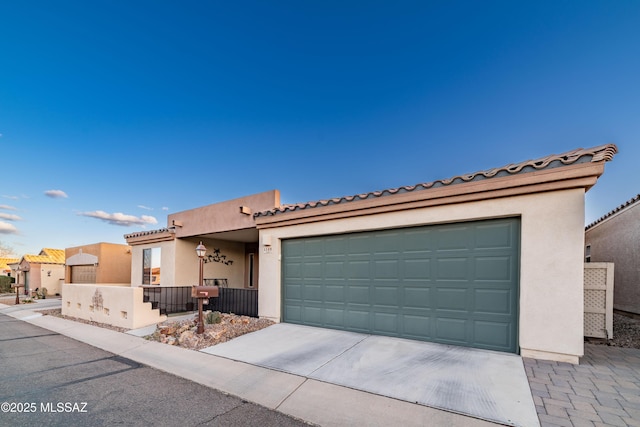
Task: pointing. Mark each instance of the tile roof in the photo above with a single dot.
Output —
(620, 208)
(5, 261)
(148, 233)
(602, 153)
(47, 256)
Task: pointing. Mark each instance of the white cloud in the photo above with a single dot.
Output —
(8, 208)
(164, 208)
(10, 197)
(56, 194)
(10, 217)
(145, 207)
(6, 228)
(119, 218)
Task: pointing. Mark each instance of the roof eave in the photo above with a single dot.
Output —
(581, 175)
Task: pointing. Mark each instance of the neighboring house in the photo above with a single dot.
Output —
(491, 260)
(100, 263)
(5, 269)
(45, 270)
(615, 237)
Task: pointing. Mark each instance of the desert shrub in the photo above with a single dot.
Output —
(213, 317)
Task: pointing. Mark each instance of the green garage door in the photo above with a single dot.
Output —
(452, 284)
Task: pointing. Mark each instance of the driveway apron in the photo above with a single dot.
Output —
(484, 384)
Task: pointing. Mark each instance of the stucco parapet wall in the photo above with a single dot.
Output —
(536, 172)
(152, 236)
(230, 215)
(114, 304)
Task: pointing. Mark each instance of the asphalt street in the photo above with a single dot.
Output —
(50, 379)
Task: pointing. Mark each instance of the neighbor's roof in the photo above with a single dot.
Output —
(47, 256)
(5, 261)
(602, 153)
(619, 209)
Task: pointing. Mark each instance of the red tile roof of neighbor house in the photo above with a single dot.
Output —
(620, 208)
(602, 153)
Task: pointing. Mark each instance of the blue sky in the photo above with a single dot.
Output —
(129, 111)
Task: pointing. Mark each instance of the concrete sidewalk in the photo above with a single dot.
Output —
(308, 399)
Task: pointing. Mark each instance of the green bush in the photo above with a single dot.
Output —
(5, 284)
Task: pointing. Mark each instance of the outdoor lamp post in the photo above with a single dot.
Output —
(200, 251)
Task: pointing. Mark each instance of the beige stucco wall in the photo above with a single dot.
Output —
(179, 262)
(167, 263)
(551, 270)
(121, 305)
(187, 262)
(617, 240)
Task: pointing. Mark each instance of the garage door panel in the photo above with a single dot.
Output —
(452, 268)
(452, 330)
(417, 296)
(358, 269)
(416, 268)
(313, 293)
(453, 238)
(358, 294)
(492, 334)
(493, 268)
(335, 294)
(452, 299)
(453, 284)
(385, 323)
(416, 326)
(494, 236)
(386, 295)
(358, 320)
(495, 301)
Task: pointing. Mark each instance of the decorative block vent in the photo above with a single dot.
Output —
(598, 300)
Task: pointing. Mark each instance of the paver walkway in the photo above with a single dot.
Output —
(604, 390)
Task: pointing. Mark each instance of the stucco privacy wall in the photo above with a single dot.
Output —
(551, 270)
(114, 304)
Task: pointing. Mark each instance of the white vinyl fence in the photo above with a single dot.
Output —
(598, 300)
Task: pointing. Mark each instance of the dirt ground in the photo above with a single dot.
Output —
(626, 333)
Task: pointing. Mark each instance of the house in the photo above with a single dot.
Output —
(490, 260)
(101, 263)
(615, 237)
(42, 271)
(5, 269)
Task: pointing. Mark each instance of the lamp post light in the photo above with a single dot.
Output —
(200, 251)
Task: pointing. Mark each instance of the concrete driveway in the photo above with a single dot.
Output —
(489, 385)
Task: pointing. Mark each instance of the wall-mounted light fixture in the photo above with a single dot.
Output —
(245, 210)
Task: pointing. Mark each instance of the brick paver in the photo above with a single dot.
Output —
(603, 390)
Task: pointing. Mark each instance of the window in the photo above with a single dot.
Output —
(151, 266)
(587, 253)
